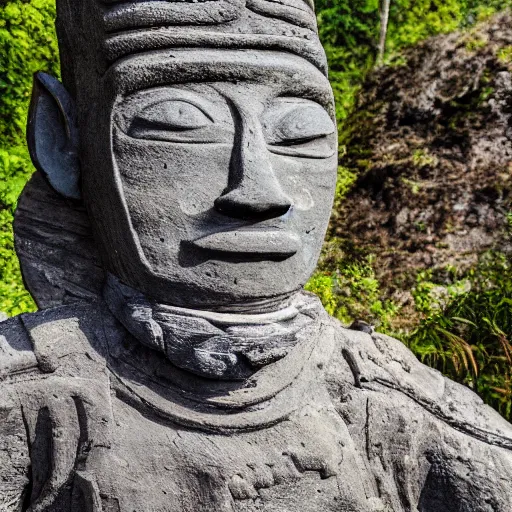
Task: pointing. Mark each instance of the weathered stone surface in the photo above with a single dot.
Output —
(346, 421)
(202, 377)
(55, 246)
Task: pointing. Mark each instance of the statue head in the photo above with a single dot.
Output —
(201, 137)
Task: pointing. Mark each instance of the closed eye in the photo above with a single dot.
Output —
(302, 124)
(298, 141)
(299, 128)
(169, 115)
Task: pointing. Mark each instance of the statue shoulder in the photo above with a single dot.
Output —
(48, 340)
(16, 350)
(52, 374)
(16, 358)
(378, 361)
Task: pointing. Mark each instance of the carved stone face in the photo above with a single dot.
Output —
(220, 169)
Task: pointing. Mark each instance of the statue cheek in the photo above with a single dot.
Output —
(309, 182)
(185, 178)
(203, 179)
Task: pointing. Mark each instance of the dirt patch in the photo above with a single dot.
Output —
(431, 143)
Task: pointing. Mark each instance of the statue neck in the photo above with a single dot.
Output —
(213, 344)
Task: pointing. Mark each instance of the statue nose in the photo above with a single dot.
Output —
(253, 190)
(250, 202)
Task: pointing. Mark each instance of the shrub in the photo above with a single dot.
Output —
(351, 291)
(467, 330)
(28, 43)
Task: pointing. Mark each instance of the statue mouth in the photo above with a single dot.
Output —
(269, 243)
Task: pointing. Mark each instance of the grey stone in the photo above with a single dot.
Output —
(176, 364)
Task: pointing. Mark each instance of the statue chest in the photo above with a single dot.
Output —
(304, 463)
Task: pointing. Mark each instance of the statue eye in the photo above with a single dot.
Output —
(170, 115)
(299, 128)
(300, 125)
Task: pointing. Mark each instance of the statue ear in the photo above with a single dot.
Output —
(52, 135)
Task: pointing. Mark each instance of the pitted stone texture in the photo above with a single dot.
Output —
(336, 444)
(195, 145)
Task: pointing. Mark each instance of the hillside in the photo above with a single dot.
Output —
(432, 148)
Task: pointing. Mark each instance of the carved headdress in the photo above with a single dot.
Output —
(109, 30)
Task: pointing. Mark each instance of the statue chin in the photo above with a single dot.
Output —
(220, 285)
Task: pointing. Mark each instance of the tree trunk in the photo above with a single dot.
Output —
(384, 20)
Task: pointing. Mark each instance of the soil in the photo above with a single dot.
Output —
(431, 143)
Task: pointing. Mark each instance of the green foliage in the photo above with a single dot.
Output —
(348, 29)
(412, 21)
(352, 292)
(15, 169)
(27, 39)
(346, 178)
(467, 330)
(505, 55)
(14, 299)
(28, 42)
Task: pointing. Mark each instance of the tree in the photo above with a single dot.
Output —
(384, 21)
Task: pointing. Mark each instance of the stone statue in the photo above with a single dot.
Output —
(176, 364)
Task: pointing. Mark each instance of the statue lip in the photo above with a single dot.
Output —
(273, 242)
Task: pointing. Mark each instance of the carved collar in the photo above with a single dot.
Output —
(283, 375)
(214, 345)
